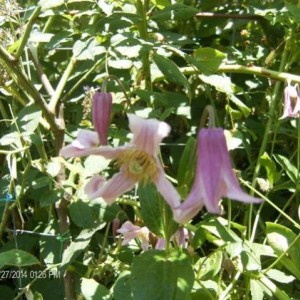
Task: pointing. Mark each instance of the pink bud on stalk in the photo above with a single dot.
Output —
(102, 103)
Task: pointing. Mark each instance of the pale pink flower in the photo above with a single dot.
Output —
(130, 232)
(138, 161)
(291, 102)
(214, 178)
(87, 141)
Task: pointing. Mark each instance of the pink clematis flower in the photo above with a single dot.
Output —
(138, 161)
(130, 232)
(87, 141)
(214, 178)
(291, 102)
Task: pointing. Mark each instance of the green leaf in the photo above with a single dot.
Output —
(122, 287)
(50, 197)
(279, 276)
(207, 60)
(257, 290)
(176, 12)
(29, 118)
(210, 266)
(153, 207)
(294, 10)
(270, 167)
(170, 70)
(287, 166)
(250, 261)
(223, 84)
(81, 214)
(79, 244)
(280, 237)
(161, 3)
(186, 170)
(87, 50)
(17, 258)
(92, 290)
(234, 139)
(47, 4)
(168, 276)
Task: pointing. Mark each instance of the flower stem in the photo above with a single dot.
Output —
(142, 7)
(209, 114)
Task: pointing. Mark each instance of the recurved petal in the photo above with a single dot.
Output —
(147, 133)
(230, 187)
(113, 188)
(94, 186)
(189, 208)
(82, 145)
(166, 189)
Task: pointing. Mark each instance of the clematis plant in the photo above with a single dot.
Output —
(214, 177)
(137, 162)
(291, 102)
(88, 141)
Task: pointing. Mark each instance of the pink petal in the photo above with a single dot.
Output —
(161, 244)
(94, 185)
(147, 133)
(127, 227)
(189, 208)
(166, 189)
(113, 188)
(86, 140)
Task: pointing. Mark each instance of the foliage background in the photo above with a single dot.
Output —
(172, 59)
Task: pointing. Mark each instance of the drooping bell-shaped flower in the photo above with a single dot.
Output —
(102, 103)
(87, 141)
(291, 102)
(214, 178)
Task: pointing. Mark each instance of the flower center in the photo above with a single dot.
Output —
(137, 164)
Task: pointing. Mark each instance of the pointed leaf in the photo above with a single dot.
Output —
(170, 70)
(17, 258)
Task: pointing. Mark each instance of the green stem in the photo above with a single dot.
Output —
(253, 70)
(104, 84)
(104, 243)
(142, 8)
(61, 85)
(26, 34)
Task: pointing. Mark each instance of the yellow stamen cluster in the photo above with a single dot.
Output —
(137, 164)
